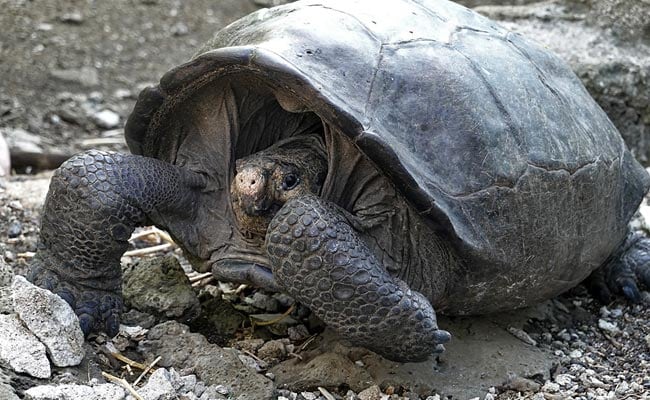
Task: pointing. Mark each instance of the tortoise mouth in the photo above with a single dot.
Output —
(246, 271)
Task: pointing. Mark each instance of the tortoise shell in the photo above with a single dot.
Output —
(491, 138)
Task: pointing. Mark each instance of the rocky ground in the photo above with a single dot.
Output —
(71, 73)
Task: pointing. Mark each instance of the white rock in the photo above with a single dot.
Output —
(6, 277)
(159, 386)
(617, 313)
(21, 350)
(51, 319)
(309, 395)
(107, 391)
(575, 354)
(7, 392)
(372, 393)
(106, 119)
(522, 335)
(564, 379)
(622, 388)
(550, 387)
(608, 326)
(19, 140)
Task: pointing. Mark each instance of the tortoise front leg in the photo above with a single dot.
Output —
(321, 261)
(95, 201)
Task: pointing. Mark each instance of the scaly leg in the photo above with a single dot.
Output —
(95, 201)
(322, 262)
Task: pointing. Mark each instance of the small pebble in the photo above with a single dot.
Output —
(522, 335)
(551, 387)
(74, 17)
(616, 313)
(15, 229)
(564, 379)
(106, 119)
(608, 326)
(575, 354)
(179, 29)
(623, 388)
(372, 393)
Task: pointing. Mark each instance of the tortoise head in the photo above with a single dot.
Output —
(266, 180)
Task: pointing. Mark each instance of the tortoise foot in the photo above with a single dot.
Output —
(628, 269)
(320, 260)
(95, 201)
(98, 309)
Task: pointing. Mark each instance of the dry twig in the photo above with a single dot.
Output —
(124, 383)
(198, 277)
(148, 250)
(27, 254)
(152, 230)
(326, 394)
(154, 362)
(275, 320)
(128, 361)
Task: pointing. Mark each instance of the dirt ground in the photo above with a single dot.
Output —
(62, 55)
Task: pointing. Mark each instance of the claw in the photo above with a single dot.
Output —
(439, 349)
(86, 322)
(631, 291)
(112, 325)
(441, 336)
(67, 296)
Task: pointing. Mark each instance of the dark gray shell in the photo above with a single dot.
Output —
(490, 137)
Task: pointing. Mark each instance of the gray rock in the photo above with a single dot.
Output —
(5, 161)
(6, 391)
(181, 349)
(21, 350)
(84, 76)
(160, 287)
(328, 370)
(372, 393)
(160, 386)
(520, 384)
(272, 351)
(137, 318)
(74, 17)
(214, 392)
(263, 301)
(222, 318)
(107, 391)
(106, 119)
(179, 29)
(609, 49)
(608, 326)
(51, 319)
(19, 140)
(6, 277)
(15, 229)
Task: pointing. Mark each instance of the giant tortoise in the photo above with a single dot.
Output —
(376, 160)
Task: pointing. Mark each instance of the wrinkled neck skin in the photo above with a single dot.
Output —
(266, 180)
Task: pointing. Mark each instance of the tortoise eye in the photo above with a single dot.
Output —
(290, 181)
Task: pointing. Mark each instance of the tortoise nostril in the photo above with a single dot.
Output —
(253, 182)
